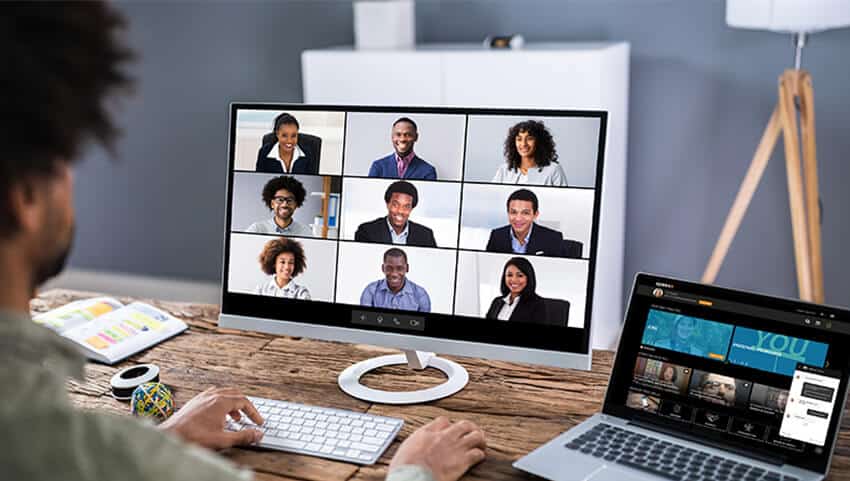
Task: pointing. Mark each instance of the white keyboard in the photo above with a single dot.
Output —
(324, 432)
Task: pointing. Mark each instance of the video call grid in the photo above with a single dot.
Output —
(462, 181)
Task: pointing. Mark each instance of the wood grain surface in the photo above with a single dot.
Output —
(519, 406)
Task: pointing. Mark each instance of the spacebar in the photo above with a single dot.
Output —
(282, 443)
(647, 469)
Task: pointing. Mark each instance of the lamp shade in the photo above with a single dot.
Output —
(788, 16)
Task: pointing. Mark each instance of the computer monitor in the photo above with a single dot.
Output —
(459, 231)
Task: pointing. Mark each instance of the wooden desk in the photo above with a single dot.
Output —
(519, 406)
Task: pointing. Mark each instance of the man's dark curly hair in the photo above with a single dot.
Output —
(284, 182)
(276, 247)
(544, 149)
(401, 187)
(62, 62)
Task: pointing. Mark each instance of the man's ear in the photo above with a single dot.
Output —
(25, 204)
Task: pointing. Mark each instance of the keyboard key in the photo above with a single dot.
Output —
(365, 447)
(284, 443)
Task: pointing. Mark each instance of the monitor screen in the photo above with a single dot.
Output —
(757, 373)
(472, 225)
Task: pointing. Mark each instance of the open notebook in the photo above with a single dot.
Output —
(107, 330)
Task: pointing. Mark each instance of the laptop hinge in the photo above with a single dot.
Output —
(774, 460)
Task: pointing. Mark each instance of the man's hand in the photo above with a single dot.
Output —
(201, 420)
(446, 449)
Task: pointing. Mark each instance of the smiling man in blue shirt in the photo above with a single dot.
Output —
(396, 291)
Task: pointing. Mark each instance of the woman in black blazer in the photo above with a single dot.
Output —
(519, 302)
(285, 154)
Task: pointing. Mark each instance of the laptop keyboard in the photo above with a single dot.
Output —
(665, 459)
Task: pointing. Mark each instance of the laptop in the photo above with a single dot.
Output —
(712, 384)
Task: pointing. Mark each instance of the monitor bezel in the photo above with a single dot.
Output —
(507, 341)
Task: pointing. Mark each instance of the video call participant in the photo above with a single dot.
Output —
(282, 260)
(523, 235)
(403, 163)
(396, 228)
(283, 196)
(530, 157)
(396, 291)
(519, 301)
(44, 437)
(285, 154)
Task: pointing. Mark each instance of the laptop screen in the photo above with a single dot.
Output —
(755, 373)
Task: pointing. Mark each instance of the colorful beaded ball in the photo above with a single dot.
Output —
(152, 400)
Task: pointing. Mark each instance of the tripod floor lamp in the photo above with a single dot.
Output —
(795, 96)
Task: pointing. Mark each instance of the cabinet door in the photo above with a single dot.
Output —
(553, 80)
(371, 78)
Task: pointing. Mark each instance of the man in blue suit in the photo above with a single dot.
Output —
(523, 235)
(403, 162)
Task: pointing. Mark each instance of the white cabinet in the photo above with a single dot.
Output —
(552, 76)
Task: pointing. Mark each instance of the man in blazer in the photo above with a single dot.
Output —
(523, 235)
(396, 228)
(403, 163)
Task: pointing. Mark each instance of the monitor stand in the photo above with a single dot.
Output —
(349, 379)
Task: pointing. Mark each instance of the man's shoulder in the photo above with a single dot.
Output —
(372, 287)
(78, 443)
(261, 227)
(381, 161)
(419, 227)
(423, 161)
(372, 224)
(546, 232)
(424, 166)
(301, 229)
(498, 231)
(417, 288)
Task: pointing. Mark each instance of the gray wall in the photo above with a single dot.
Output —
(700, 95)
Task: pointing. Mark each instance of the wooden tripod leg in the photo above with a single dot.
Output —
(787, 115)
(810, 169)
(742, 200)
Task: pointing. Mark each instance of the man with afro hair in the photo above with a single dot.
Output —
(283, 196)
